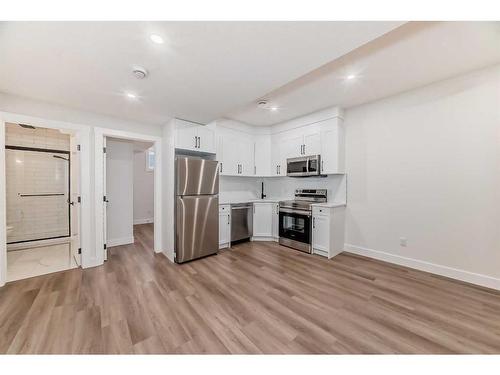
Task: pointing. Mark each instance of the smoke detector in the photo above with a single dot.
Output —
(140, 73)
(264, 104)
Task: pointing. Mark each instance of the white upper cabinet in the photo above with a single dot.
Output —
(206, 139)
(312, 141)
(263, 157)
(235, 153)
(244, 151)
(332, 147)
(194, 137)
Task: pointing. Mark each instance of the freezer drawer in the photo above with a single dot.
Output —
(197, 227)
(241, 221)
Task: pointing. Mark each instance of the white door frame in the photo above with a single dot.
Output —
(88, 251)
(99, 134)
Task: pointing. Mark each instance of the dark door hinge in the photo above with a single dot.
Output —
(104, 198)
(80, 250)
(105, 247)
(104, 149)
(79, 199)
(77, 147)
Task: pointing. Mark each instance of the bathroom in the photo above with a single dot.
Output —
(42, 194)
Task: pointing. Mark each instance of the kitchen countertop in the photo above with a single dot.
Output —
(329, 204)
(274, 200)
(256, 200)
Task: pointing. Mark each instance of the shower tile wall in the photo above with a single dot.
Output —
(16, 135)
(31, 172)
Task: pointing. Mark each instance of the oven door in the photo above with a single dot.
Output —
(295, 229)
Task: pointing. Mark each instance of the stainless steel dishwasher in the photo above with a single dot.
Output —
(241, 221)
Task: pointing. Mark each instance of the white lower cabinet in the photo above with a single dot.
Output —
(328, 230)
(276, 220)
(263, 220)
(224, 226)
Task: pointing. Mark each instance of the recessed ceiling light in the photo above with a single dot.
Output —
(351, 76)
(131, 95)
(155, 38)
(273, 108)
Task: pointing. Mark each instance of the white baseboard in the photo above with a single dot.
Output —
(119, 241)
(453, 273)
(143, 221)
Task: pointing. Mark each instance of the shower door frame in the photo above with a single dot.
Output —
(49, 151)
(89, 256)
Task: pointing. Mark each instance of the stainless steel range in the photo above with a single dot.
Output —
(295, 226)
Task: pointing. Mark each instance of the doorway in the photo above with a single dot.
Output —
(129, 192)
(129, 162)
(42, 190)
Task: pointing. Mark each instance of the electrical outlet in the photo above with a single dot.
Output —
(403, 241)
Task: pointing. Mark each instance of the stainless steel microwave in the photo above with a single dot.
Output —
(304, 166)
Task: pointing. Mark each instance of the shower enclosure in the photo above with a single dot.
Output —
(38, 194)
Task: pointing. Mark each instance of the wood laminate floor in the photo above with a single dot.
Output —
(256, 298)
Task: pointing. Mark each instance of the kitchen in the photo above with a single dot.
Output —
(312, 187)
(299, 168)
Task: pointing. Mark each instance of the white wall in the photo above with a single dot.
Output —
(425, 165)
(119, 192)
(168, 198)
(143, 190)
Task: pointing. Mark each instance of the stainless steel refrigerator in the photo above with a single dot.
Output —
(197, 208)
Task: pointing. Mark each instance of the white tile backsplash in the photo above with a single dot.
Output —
(235, 188)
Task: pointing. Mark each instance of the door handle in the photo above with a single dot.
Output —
(221, 167)
(195, 141)
(228, 219)
(304, 149)
(322, 166)
(314, 222)
(199, 142)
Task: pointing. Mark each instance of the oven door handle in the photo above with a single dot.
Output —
(293, 211)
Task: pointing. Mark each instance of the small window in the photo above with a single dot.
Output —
(150, 160)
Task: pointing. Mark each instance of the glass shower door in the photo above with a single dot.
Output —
(37, 187)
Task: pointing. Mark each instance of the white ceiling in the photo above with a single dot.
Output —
(203, 71)
(413, 55)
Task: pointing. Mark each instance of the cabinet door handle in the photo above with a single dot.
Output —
(221, 167)
(304, 149)
(199, 142)
(228, 219)
(314, 222)
(322, 165)
(195, 141)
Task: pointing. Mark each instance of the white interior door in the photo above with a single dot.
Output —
(74, 200)
(104, 200)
